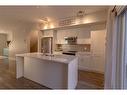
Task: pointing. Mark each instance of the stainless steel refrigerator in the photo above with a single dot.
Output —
(47, 45)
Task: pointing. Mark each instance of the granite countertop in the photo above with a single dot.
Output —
(55, 58)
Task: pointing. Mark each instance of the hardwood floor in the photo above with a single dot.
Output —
(87, 80)
(92, 78)
(8, 78)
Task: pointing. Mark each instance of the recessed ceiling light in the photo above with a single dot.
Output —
(37, 6)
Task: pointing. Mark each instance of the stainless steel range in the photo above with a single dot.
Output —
(70, 52)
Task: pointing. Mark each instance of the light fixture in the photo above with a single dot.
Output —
(80, 14)
(45, 20)
(47, 23)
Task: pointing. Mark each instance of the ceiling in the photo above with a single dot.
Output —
(34, 13)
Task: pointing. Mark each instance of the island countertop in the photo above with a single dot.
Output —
(56, 71)
(56, 57)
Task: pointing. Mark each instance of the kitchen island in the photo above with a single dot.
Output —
(53, 71)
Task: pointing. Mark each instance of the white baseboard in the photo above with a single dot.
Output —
(90, 70)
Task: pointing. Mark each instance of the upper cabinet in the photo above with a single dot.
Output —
(98, 42)
(82, 34)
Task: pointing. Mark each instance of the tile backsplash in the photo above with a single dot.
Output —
(77, 47)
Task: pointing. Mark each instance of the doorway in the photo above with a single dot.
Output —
(3, 46)
(34, 42)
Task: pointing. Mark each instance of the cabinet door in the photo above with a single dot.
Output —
(98, 42)
(84, 62)
(27, 67)
(60, 37)
(80, 58)
(97, 63)
(98, 50)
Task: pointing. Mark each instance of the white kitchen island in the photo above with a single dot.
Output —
(56, 72)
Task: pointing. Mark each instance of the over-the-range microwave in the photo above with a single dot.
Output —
(70, 40)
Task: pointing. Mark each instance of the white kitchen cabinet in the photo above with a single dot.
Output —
(97, 64)
(60, 37)
(84, 41)
(82, 33)
(98, 42)
(96, 60)
(90, 62)
(84, 61)
(98, 50)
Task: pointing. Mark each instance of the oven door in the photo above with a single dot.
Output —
(68, 53)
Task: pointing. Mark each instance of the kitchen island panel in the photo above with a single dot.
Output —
(50, 74)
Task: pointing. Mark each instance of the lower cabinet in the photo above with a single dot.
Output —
(84, 61)
(98, 64)
(90, 62)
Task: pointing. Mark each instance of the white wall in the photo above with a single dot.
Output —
(18, 32)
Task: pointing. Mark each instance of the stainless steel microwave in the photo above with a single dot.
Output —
(70, 40)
